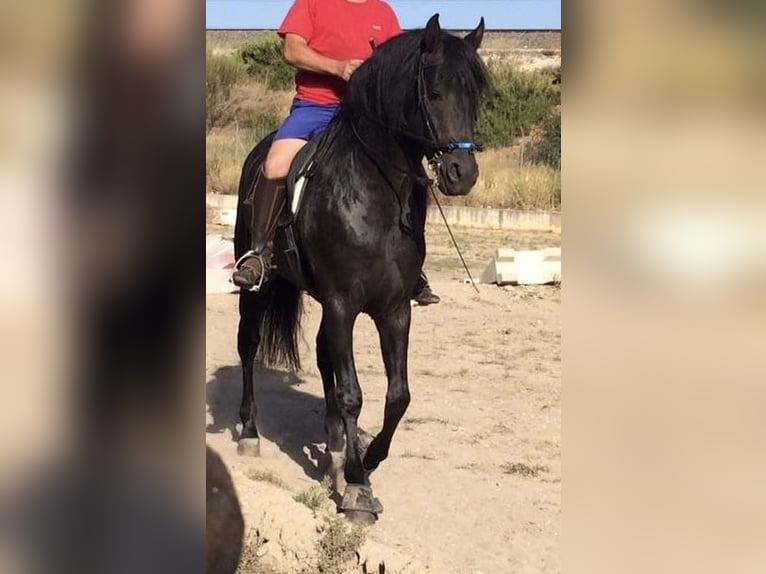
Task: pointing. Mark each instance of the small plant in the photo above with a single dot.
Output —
(411, 454)
(523, 469)
(315, 496)
(265, 475)
(423, 420)
(249, 561)
(338, 546)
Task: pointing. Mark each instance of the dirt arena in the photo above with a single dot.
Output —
(473, 480)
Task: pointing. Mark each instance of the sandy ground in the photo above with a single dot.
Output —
(473, 480)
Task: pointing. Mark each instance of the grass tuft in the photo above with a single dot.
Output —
(523, 469)
(265, 475)
(338, 546)
(315, 496)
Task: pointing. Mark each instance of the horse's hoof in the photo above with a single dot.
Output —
(249, 447)
(358, 501)
(361, 517)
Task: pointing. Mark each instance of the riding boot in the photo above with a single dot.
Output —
(267, 200)
(423, 294)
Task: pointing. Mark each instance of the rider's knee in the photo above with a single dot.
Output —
(276, 166)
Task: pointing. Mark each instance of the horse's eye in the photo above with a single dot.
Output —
(434, 95)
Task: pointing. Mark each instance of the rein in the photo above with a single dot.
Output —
(454, 241)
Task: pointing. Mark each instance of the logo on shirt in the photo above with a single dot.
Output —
(377, 27)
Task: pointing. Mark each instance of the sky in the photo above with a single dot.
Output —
(453, 14)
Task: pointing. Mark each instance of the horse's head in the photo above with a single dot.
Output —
(422, 89)
(451, 80)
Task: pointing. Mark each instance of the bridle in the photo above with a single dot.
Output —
(435, 147)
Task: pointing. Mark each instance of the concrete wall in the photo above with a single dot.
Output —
(224, 209)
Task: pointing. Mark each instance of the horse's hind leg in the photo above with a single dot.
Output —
(394, 331)
(333, 421)
(248, 338)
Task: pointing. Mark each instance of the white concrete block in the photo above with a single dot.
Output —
(525, 267)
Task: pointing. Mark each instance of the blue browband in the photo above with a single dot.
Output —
(469, 146)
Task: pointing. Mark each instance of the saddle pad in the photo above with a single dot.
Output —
(299, 170)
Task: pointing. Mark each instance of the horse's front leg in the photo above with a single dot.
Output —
(338, 325)
(394, 331)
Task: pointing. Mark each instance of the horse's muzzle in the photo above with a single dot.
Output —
(458, 172)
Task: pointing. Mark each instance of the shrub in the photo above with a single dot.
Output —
(338, 546)
(261, 124)
(263, 60)
(222, 72)
(315, 496)
(546, 142)
(518, 101)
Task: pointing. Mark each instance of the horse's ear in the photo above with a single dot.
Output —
(432, 36)
(475, 36)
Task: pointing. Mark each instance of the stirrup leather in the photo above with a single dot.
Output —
(259, 256)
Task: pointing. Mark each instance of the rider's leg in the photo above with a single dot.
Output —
(423, 294)
(280, 156)
(266, 202)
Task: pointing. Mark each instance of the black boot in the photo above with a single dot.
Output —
(267, 201)
(423, 294)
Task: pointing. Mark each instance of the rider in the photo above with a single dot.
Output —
(326, 40)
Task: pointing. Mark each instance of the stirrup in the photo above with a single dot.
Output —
(259, 256)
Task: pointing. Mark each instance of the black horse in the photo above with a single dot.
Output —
(360, 236)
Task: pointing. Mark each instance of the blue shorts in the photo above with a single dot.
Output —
(306, 120)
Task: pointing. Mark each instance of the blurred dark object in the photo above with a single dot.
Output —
(224, 526)
(136, 165)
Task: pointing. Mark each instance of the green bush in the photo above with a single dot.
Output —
(518, 101)
(222, 72)
(546, 147)
(263, 60)
(262, 124)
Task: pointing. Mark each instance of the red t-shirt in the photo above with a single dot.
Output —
(340, 30)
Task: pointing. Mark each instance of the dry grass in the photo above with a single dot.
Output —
(228, 41)
(257, 110)
(265, 475)
(506, 182)
(225, 152)
(521, 40)
(523, 469)
(225, 41)
(338, 547)
(412, 454)
(409, 422)
(249, 561)
(252, 97)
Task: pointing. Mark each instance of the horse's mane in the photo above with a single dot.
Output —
(384, 88)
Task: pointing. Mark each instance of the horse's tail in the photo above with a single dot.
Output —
(282, 306)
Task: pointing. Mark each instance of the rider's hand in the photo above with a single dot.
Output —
(348, 67)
